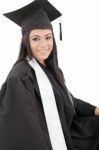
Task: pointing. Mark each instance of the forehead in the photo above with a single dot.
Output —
(40, 32)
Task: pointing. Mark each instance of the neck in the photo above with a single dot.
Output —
(42, 63)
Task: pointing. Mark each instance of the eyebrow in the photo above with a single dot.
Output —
(40, 36)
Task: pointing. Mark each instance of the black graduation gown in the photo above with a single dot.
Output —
(22, 120)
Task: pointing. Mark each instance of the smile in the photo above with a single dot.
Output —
(43, 51)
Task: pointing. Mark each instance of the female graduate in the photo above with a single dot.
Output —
(37, 112)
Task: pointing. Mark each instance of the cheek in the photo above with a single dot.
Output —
(33, 47)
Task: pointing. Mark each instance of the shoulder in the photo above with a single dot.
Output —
(19, 70)
(20, 77)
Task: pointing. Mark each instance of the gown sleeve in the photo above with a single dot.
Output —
(83, 108)
(16, 109)
(8, 94)
(13, 96)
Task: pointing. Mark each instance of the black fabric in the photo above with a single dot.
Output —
(22, 121)
(36, 15)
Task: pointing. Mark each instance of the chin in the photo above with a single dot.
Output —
(45, 57)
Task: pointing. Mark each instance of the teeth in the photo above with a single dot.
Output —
(42, 51)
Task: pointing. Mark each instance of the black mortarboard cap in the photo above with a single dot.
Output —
(36, 15)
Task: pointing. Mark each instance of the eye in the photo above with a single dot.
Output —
(35, 39)
(48, 37)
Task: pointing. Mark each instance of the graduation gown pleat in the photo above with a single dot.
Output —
(22, 121)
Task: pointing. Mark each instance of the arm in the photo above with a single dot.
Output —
(15, 103)
(84, 108)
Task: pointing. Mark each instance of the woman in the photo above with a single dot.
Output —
(35, 82)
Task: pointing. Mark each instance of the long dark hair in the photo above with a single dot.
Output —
(51, 61)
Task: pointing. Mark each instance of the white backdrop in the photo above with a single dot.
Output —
(78, 52)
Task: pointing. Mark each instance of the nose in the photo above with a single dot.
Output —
(43, 43)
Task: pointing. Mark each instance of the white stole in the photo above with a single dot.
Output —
(50, 108)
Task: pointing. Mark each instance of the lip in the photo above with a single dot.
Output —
(43, 51)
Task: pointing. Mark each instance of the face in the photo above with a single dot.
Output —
(41, 44)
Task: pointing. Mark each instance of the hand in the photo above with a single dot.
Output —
(97, 111)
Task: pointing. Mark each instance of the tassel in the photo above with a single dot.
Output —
(60, 30)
